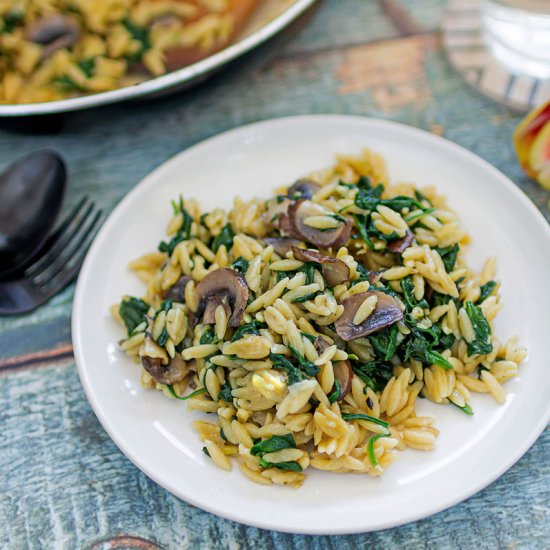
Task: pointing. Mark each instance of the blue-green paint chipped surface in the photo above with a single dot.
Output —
(63, 483)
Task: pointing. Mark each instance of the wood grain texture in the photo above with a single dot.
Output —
(63, 483)
(36, 359)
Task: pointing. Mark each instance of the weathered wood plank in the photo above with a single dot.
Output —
(36, 359)
(19, 341)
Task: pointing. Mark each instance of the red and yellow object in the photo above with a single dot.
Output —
(532, 143)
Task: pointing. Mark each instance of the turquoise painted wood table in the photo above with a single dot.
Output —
(63, 483)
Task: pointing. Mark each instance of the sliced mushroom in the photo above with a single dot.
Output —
(428, 293)
(320, 345)
(177, 291)
(284, 225)
(159, 365)
(276, 212)
(344, 374)
(300, 210)
(374, 276)
(212, 303)
(304, 187)
(399, 246)
(386, 312)
(282, 245)
(335, 271)
(224, 283)
(54, 33)
(175, 371)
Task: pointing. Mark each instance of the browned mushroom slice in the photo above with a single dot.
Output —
(386, 312)
(285, 226)
(374, 276)
(212, 303)
(177, 291)
(175, 371)
(400, 245)
(282, 245)
(322, 238)
(320, 345)
(428, 293)
(335, 271)
(305, 188)
(344, 374)
(224, 283)
(276, 212)
(53, 33)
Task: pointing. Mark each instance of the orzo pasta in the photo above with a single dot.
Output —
(309, 325)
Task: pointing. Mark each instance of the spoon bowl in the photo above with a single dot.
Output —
(31, 194)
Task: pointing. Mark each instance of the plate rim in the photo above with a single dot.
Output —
(149, 180)
(167, 81)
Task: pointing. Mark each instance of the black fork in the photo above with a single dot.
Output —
(58, 264)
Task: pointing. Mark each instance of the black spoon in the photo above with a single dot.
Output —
(31, 193)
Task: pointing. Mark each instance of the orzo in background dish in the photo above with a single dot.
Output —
(54, 49)
(312, 322)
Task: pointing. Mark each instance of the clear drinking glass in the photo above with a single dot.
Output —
(518, 33)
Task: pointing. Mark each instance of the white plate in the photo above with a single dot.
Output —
(155, 432)
(271, 17)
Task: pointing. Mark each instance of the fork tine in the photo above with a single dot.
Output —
(61, 236)
(63, 277)
(71, 250)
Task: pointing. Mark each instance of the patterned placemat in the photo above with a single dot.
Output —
(471, 57)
